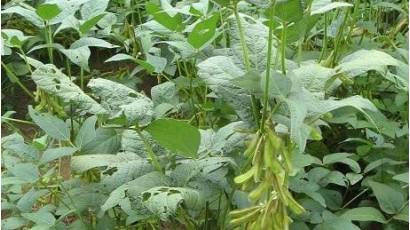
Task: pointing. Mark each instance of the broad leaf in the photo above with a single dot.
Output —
(177, 136)
(364, 214)
(390, 200)
(203, 32)
(53, 154)
(323, 6)
(53, 126)
(47, 11)
(54, 82)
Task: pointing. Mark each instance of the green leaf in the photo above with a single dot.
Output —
(25, 171)
(40, 217)
(13, 223)
(390, 200)
(53, 154)
(173, 23)
(26, 202)
(164, 201)
(121, 57)
(290, 10)
(404, 177)
(53, 126)
(359, 62)
(119, 100)
(29, 15)
(54, 82)
(203, 32)
(323, 6)
(364, 214)
(47, 11)
(78, 56)
(92, 42)
(177, 136)
(90, 23)
(86, 132)
(336, 223)
(342, 158)
(106, 141)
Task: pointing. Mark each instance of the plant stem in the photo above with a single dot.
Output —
(49, 40)
(246, 60)
(151, 155)
(268, 67)
(82, 78)
(283, 47)
(15, 78)
(324, 46)
(338, 38)
(25, 60)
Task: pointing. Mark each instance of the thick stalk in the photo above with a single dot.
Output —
(339, 38)
(14, 77)
(283, 47)
(150, 153)
(246, 60)
(268, 68)
(49, 40)
(324, 46)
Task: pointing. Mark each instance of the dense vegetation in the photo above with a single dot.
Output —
(204, 114)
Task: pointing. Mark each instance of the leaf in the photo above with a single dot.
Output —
(364, 214)
(29, 15)
(342, 158)
(323, 6)
(106, 141)
(13, 223)
(120, 100)
(218, 73)
(177, 136)
(173, 23)
(93, 8)
(26, 202)
(390, 200)
(54, 82)
(203, 32)
(92, 42)
(336, 223)
(87, 132)
(377, 163)
(53, 126)
(83, 163)
(25, 171)
(359, 62)
(121, 57)
(78, 56)
(40, 217)
(134, 188)
(47, 11)
(90, 23)
(289, 11)
(404, 177)
(53, 154)
(164, 201)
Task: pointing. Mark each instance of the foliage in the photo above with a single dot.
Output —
(205, 114)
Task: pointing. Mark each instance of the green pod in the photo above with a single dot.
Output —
(241, 212)
(259, 191)
(244, 219)
(294, 205)
(245, 176)
(252, 146)
(276, 141)
(288, 159)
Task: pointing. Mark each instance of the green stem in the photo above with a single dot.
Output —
(339, 38)
(246, 60)
(25, 60)
(283, 47)
(324, 46)
(49, 40)
(151, 155)
(16, 79)
(82, 78)
(268, 67)
(17, 120)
